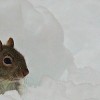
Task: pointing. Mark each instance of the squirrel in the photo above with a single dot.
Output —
(13, 67)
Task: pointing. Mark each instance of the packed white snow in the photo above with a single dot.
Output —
(50, 89)
(63, 61)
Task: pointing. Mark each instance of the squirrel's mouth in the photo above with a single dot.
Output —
(17, 76)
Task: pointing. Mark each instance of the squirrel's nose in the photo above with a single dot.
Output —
(25, 72)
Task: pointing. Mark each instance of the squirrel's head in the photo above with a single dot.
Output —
(12, 63)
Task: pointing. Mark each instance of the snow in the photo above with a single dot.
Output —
(50, 89)
(62, 57)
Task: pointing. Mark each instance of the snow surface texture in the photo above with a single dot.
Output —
(39, 36)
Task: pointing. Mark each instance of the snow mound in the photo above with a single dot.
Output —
(50, 89)
(10, 95)
(84, 75)
(88, 57)
(38, 35)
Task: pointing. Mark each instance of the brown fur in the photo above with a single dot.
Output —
(12, 67)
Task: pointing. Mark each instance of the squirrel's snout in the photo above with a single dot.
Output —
(25, 72)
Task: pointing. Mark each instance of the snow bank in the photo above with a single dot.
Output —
(51, 89)
(80, 21)
(11, 95)
(40, 37)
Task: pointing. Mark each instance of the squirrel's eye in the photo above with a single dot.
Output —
(7, 60)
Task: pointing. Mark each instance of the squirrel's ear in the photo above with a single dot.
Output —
(0, 46)
(10, 42)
